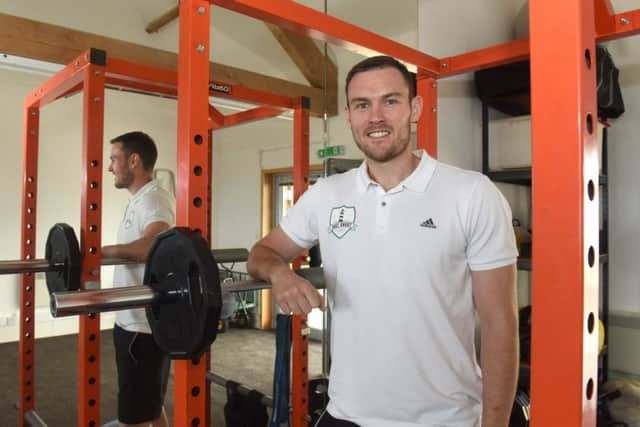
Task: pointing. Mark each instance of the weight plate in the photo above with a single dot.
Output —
(63, 254)
(182, 272)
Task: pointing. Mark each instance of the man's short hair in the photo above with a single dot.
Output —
(382, 61)
(141, 144)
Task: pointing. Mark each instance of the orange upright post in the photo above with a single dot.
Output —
(27, 294)
(299, 327)
(192, 204)
(565, 214)
(90, 241)
(427, 130)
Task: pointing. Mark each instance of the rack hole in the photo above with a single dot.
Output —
(197, 171)
(587, 57)
(197, 139)
(591, 190)
(589, 123)
(591, 321)
(592, 256)
(590, 389)
(197, 202)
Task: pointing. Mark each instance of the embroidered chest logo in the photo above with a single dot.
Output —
(428, 223)
(342, 220)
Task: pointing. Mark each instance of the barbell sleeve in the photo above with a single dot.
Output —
(41, 265)
(71, 303)
(24, 266)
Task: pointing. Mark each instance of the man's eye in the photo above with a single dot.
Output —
(391, 101)
(360, 106)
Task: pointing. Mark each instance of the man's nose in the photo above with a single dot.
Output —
(376, 113)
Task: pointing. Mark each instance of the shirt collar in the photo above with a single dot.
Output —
(144, 189)
(417, 181)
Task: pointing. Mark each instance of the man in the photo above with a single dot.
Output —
(411, 249)
(143, 369)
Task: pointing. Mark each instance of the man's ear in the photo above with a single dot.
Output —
(134, 160)
(416, 108)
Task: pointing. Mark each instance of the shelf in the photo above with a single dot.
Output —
(522, 176)
(525, 263)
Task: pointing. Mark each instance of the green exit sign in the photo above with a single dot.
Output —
(332, 150)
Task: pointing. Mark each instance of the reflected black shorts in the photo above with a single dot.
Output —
(143, 373)
(328, 420)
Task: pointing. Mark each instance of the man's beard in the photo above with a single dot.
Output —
(388, 155)
(125, 182)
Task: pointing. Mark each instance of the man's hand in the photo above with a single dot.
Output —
(293, 294)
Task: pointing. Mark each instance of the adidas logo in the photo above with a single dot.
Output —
(428, 224)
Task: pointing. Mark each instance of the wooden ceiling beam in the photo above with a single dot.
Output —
(309, 59)
(162, 20)
(52, 43)
(302, 50)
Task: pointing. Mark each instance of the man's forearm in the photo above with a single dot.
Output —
(136, 250)
(264, 262)
(499, 359)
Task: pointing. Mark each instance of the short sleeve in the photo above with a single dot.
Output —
(158, 208)
(301, 221)
(488, 228)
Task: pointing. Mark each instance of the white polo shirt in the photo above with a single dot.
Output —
(398, 270)
(151, 203)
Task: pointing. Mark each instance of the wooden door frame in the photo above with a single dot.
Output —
(266, 221)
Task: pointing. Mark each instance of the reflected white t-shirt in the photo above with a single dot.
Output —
(151, 203)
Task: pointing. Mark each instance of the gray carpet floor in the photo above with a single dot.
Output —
(242, 355)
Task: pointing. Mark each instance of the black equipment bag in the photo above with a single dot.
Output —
(244, 411)
(610, 103)
(507, 88)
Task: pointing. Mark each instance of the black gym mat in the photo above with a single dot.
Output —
(244, 355)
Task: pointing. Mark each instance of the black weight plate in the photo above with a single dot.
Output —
(182, 272)
(63, 254)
